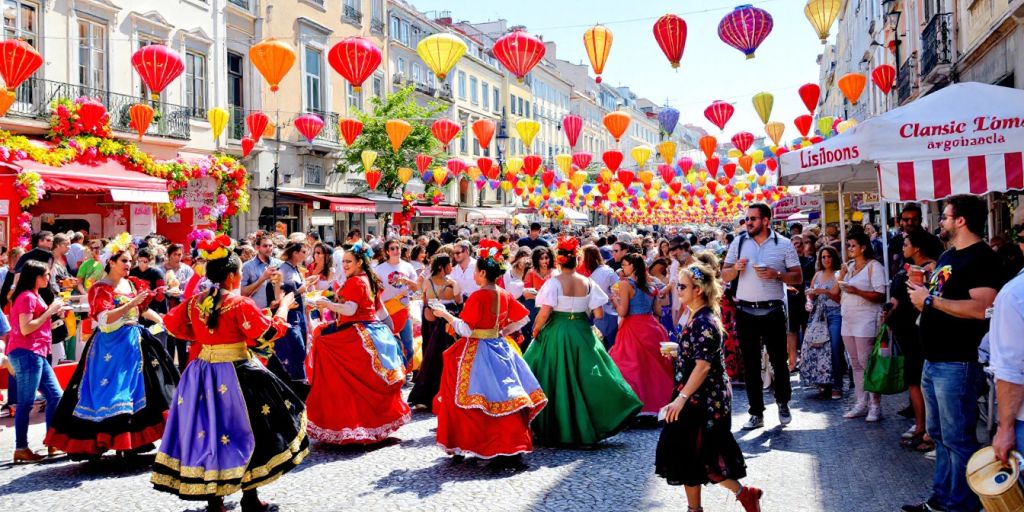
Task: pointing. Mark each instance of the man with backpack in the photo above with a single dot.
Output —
(762, 262)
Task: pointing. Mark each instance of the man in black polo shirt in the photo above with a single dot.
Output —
(952, 304)
(534, 240)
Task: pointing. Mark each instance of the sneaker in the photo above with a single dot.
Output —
(858, 411)
(910, 433)
(750, 498)
(785, 417)
(837, 395)
(754, 422)
(874, 414)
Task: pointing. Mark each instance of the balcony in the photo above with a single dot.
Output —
(377, 26)
(905, 82)
(330, 134)
(35, 95)
(352, 15)
(236, 123)
(937, 49)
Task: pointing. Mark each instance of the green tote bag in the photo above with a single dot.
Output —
(884, 374)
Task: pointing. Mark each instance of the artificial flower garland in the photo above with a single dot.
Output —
(30, 188)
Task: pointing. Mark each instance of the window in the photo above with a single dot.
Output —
(20, 21)
(313, 79)
(195, 84)
(314, 174)
(527, 108)
(378, 86)
(92, 54)
(462, 84)
(476, 147)
(395, 29)
(403, 32)
(401, 65)
(417, 76)
(244, 4)
(486, 95)
(497, 99)
(520, 100)
(143, 90)
(355, 99)
(474, 98)
(512, 103)
(236, 96)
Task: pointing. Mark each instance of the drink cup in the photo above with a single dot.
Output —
(669, 348)
(916, 275)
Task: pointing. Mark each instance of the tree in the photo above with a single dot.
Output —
(399, 105)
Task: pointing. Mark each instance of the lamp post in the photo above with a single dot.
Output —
(502, 144)
(893, 16)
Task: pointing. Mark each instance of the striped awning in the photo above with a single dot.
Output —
(927, 180)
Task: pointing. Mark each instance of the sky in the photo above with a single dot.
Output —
(710, 69)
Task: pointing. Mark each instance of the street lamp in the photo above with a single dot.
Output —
(502, 145)
(894, 20)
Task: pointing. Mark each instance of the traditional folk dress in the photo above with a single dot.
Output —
(233, 425)
(488, 394)
(357, 373)
(437, 337)
(119, 395)
(637, 351)
(699, 448)
(588, 398)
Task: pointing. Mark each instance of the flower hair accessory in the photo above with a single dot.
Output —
(696, 273)
(118, 245)
(492, 250)
(362, 250)
(217, 248)
(567, 247)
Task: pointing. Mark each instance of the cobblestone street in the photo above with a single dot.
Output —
(819, 462)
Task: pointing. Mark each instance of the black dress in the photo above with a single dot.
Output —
(698, 448)
(436, 339)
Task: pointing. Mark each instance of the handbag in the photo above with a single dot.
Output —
(884, 374)
(817, 333)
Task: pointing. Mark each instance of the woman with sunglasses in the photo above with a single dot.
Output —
(399, 281)
(28, 346)
(637, 349)
(357, 368)
(109, 404)
(254, 430)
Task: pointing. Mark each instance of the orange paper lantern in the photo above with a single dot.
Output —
(852, 85)
(273, 59)
(397, 130)
(141, 116)
(616, 123)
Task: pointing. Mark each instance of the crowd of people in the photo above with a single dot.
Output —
(235, 354)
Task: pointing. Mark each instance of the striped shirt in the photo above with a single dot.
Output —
(776, 252)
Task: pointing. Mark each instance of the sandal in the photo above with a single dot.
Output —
(918, 443)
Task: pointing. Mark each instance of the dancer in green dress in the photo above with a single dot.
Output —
(588, 400)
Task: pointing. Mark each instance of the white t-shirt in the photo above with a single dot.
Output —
(604, 277)
(387, 274)
(465, 278)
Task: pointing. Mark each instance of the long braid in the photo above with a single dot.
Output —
(218, 297)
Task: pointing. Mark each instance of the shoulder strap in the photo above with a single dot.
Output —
(739, 248)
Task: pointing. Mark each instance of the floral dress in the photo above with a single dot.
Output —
(699, 448)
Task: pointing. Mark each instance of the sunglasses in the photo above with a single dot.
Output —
(753, 219)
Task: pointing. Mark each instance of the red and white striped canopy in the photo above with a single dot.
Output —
(945, 177)
(964, 139)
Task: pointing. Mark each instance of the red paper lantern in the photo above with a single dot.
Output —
(612, 159)
(488, 167)
(158, 66)
(247, 144)
(455, 166)
(530, 164)
(90, 114)
(743, 141)
(625, 177)
(309, 125)
(445, 130)
(373, 177)
(803, 124)
(670, 32)
(582, 159)
(884, 77)
(423, 162)
(572, 124)
(355, 59)
(712, 165)
(548, 177)
(809, 94)
(666, 172)
(719, 113)
(519, 52)
(729, 169)
(257, 123)
(483, 130)
(18, 60)
(141, 117)
(350, 128)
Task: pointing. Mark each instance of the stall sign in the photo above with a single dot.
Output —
(200, 191)
(143, 221)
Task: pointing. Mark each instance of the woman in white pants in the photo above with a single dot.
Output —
(862, 280)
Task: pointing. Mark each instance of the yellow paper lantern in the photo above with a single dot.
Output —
(527, 130)
(734, 153)
(578, 179)
(514, 165)
(440, 52)
(404, 175)
(822, 14)
(506, 186)
(758, 156)
(667, 150)
(473, 173)
(646, 177)
(775, 129)
(368, 156)
(640, 155)
(763, 103)
(440, 175)
(846, 125)
(218, 119)
(564, 163)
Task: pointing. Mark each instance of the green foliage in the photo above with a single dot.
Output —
(399, 105)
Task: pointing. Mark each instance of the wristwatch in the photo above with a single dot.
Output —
(929, 301)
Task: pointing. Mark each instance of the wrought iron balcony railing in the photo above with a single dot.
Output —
(353, 15)
(330, 133)
(377, 25)
(35, 95)
(936, 43)
(905, 81)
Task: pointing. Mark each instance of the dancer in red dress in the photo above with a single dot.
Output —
(358, 373)
(488, 393)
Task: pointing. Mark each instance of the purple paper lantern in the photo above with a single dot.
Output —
(668, 117)
(745, 28)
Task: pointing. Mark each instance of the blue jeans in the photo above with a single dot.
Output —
(609, 327)
(32, 372)
(405, 337)
(951, 392)
(835, 332)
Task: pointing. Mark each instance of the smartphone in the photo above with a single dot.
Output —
(662, 413)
